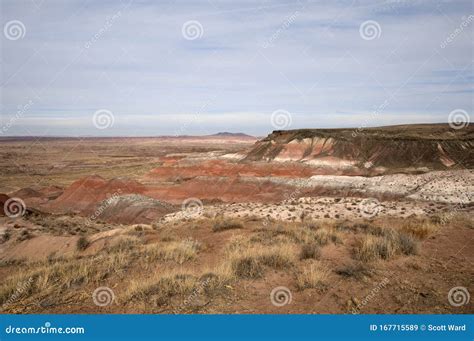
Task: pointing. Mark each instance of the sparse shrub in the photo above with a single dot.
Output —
(372, 247)
(161, 288)
(249, 262)
(178, 252)
(362, 226)
(356, 270)
(124, 244)
(313, 275)
(324, 235)
(384, 245)
(344, 226)
(24, 235)
(6, 236)
(375, 230)
(248, 267)
(275, 260)
(82, 243)
(167, 239)
(226, 224)
(312, 225)
(276, 235)
(462, 219)
(408, 245)
(419, 228)
(436, 219)
(310, 251)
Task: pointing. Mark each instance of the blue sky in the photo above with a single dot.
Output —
(243, 61)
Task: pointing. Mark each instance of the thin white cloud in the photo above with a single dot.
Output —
(74, 60)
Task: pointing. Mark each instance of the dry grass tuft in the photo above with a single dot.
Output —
(355, 270)
(420, 228)
(408, 245)
(250, 262)
(310, 251)
(311, 225)
(324, 236)
(160, 288)
(82, 243)
(297, 234)
(313, 275)
(370, 248)
(226, 224)
(279, 234)
(385, 244)
(178, 252)
(50, 278)
(248, 267)
(124, 243)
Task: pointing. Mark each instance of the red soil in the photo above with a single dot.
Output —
(225, 189)
(174, 170)
(84, 193)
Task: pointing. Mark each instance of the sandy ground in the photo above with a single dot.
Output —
(320, 208)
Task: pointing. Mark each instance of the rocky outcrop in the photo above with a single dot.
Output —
(378, 150)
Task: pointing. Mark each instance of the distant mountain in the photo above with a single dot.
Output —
(227, 134)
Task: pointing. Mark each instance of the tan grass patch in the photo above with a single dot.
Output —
(226, 224)
(312, 275)
(420, 228)
(310, 251)
(161, 287)
(324, 236)
(386, 244)
(178, 252)
(250, 262)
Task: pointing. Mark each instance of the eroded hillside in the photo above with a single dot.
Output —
(377, 150)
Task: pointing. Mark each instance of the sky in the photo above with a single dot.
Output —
(145, 68)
